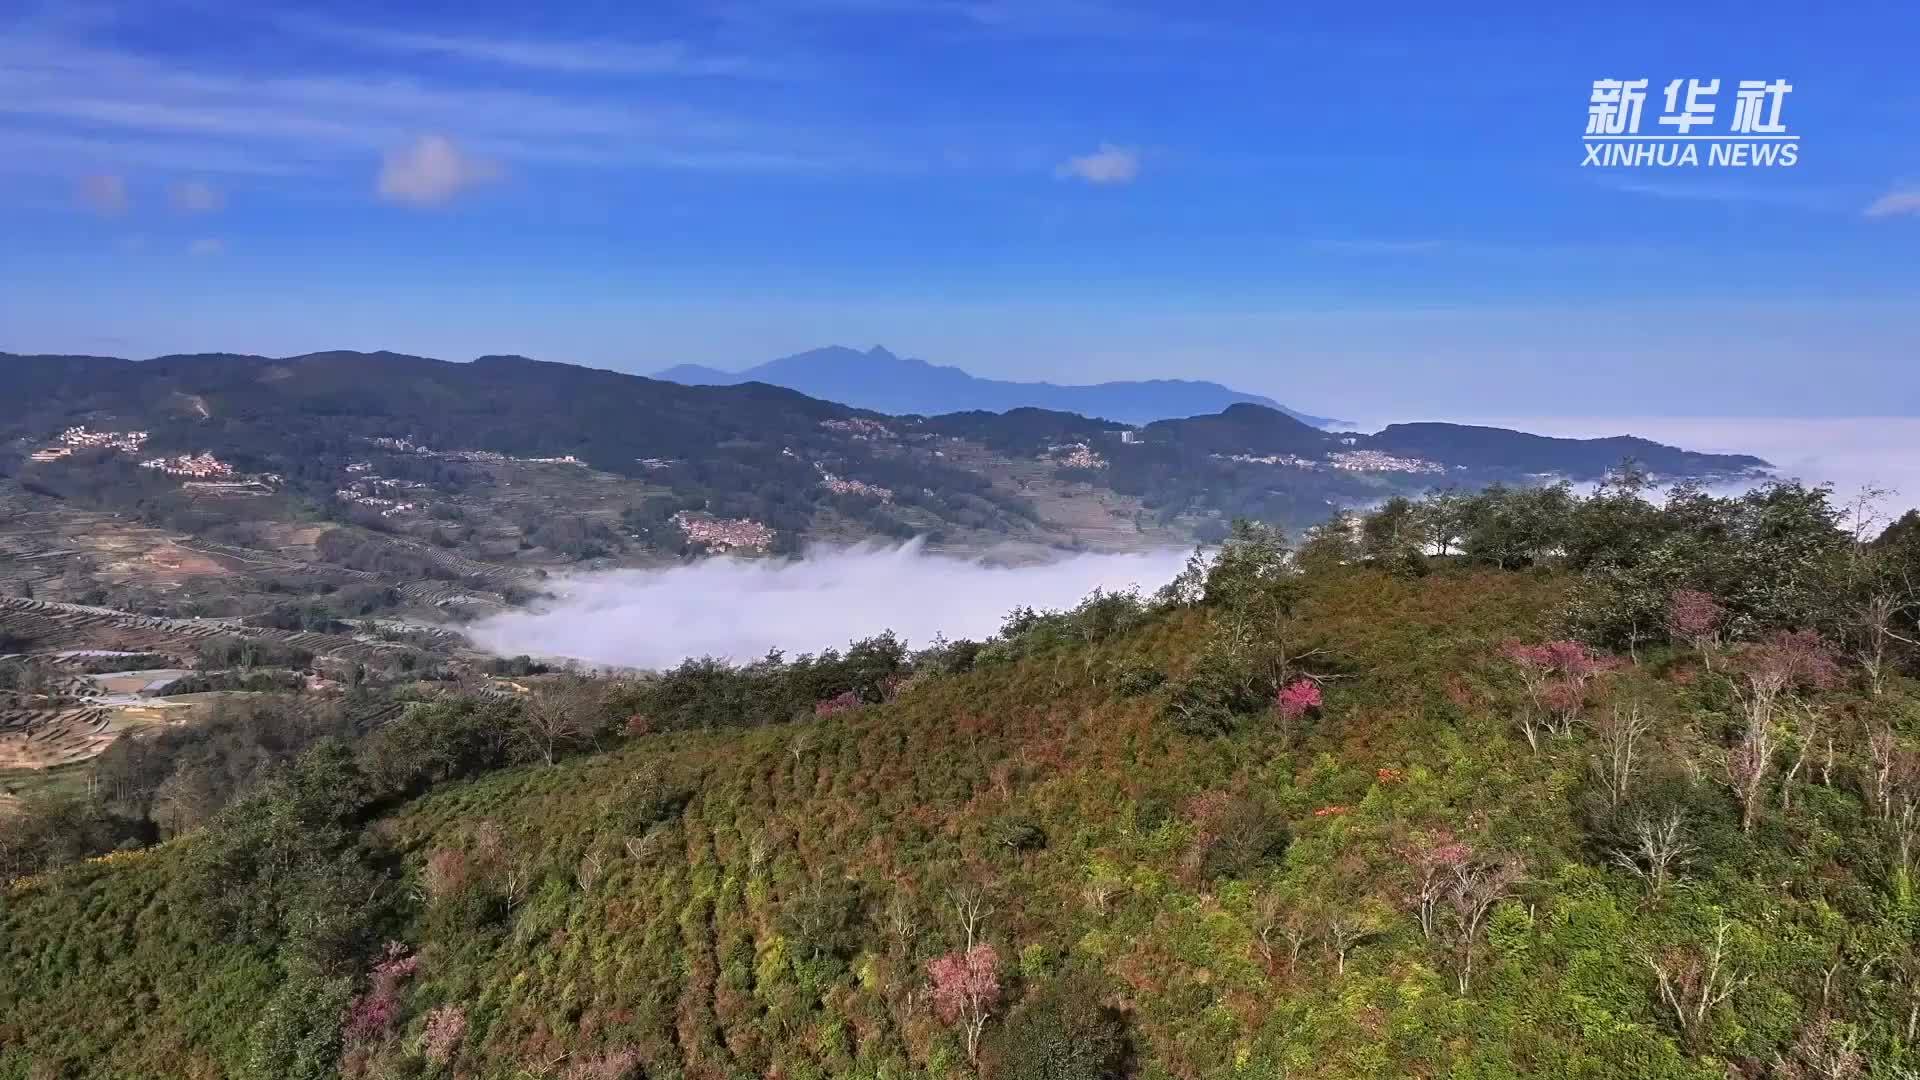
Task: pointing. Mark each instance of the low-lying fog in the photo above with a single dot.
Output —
(740, 608)
(1847, 452)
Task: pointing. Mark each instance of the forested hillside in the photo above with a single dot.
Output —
(1606, 789)
(799, 468)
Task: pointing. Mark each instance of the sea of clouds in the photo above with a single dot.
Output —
(1881, 452)
(739, 608)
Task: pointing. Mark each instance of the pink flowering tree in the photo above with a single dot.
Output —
(370, 1017)
(1556, 676)
(1294, 701)
(1297, 698)
(446, 1026)
(1433, 860)
(1767, 674)
(842, 702)
(966, 988)
(1786, 660)
(1697, 619)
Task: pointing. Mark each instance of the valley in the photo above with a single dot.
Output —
(352, 511)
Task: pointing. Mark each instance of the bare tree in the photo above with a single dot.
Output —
(970, 910)
(1100, 890)
(1694, 981)
(1660, 847)
(557, 718)
(759, 850)
(1806, 736)
(1906, 830)
(1617, 737)
(1892, 773)
(592, 867)
(1471, 894)
(1748, 765)
(1344, 931)
(1824, 1050)
(1767, 674)
(1883, 750)
(1433, 864)
(1877, 624)
(902, 921)
(1281, 930)
(1905, 974)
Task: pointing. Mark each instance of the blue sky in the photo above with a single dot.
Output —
(1368, 210)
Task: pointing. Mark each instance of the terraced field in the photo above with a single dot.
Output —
(54, 626)
(70, 718)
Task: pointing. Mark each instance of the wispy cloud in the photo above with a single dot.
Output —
(207, 246)
(1894, 203)
(97, 105)
(1108, 165)
(1762, 194)
(431, 171)
(1058, 19)
(597, 57)
(1379, 247)
(196, 197)
(61, 153)
(105, 193)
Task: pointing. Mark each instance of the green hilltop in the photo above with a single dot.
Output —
(1605, 790)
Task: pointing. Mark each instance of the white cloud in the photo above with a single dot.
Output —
(207, 246)
(92, 108)
(431, 171)
(567, 57)
(105, 193)
(1108, 165)
(1379, 247)
(197, 197)
(1898, 201)
(738, 608)
(1734, 193)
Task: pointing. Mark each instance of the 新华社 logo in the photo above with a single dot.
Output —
(1688, 130)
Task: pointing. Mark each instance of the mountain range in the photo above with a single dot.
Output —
(885, 382)
(804, 468)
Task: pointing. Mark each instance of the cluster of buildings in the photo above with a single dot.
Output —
(387, 507)
(494, 457)
(79, 438)
(1294, 461)
(202, 471)
(841, 486)
(722, 534)
(859, 427)
(125, 441)
(203, 466)
(373, 485)
(1376, 461)
(1344, 460)
(365, 489)
(486, 457)
(1077, 456)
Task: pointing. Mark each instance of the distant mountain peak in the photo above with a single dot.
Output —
(885, 381)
